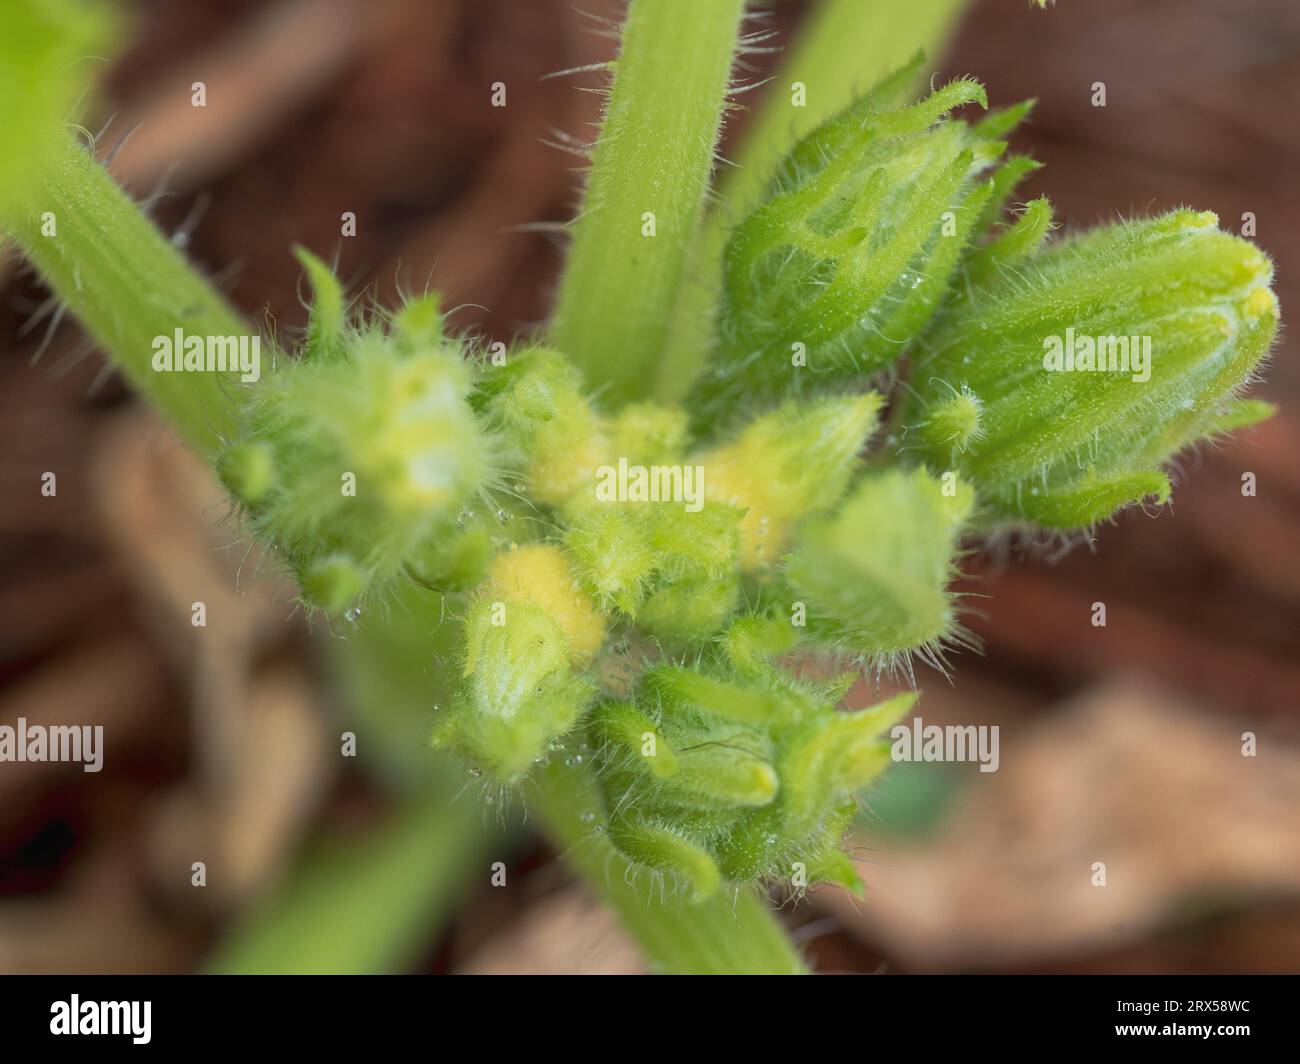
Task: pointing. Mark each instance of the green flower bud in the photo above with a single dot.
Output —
(332, 582)
(874, 576)
(649, 434)
(689, 610)
(952, 425)
(528, 631)
(454, 563)
(716, 776)
(672, 570)
(787, 464)
(550, 430)
(612, 554)
(822, 762)
(1091, 364)
(247, 470)
(363, 449)
(854, 248)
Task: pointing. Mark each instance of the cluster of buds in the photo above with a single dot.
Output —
(360, 460)
(732, 771)
(704, 551)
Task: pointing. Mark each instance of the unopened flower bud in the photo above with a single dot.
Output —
(865, 224)
(529, 631)
(1091, 364)
(875, 574)
(787, 464)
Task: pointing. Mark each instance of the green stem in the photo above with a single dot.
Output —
(127, 284)
(730, 934)
(368, 906)
(654, 157)
(846, 47)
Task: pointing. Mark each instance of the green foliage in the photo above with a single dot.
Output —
(46, 60)
(127, 284)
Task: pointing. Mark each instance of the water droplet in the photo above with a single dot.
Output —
(587, 818)
(353, 613)
(474, 772)
(577, 759)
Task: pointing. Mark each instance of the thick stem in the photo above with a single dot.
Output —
(645, 194)
(127, 284)
(734, 933)
(847, 45)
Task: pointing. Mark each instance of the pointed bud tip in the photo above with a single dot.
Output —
(331, 583)
(247, 470)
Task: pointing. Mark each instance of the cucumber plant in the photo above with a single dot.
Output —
(736, 469)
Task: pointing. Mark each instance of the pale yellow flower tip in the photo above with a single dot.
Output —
(539, 574)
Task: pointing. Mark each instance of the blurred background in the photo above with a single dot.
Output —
(1120, 745)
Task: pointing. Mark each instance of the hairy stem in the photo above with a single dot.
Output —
(127, 284)
(847, 45)
(645, 194)
(730, 934)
